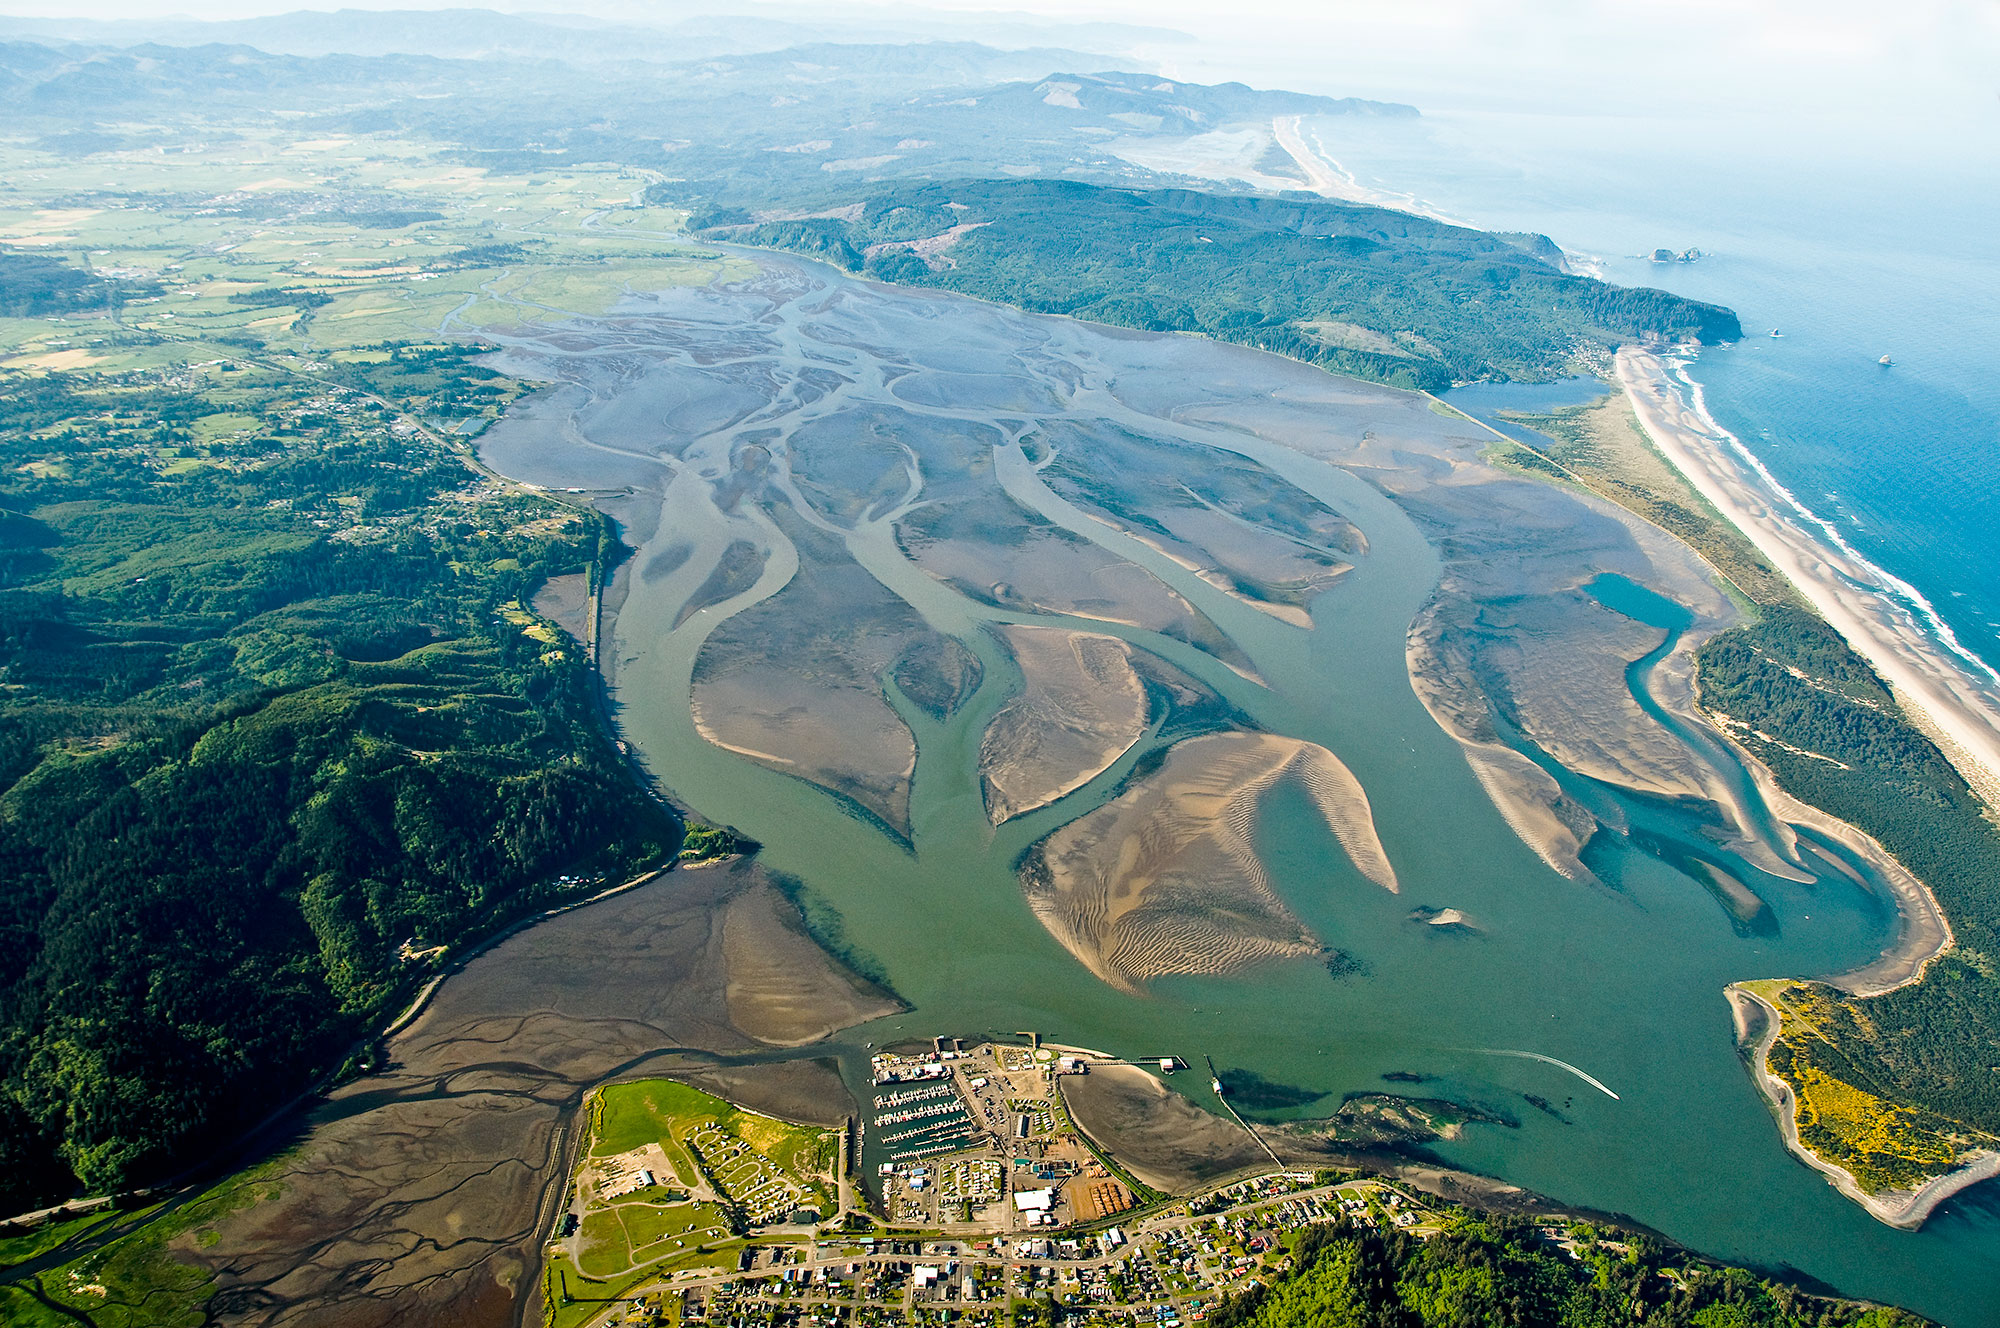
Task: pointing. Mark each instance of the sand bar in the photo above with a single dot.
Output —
(1081, 707)
(1164, 879)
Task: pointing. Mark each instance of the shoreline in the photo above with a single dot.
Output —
(1923, 932)
(1941, 698)
(1329, 179)
(1907, 1210)
(1945, 699)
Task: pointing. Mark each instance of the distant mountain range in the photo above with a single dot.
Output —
(667, 34)
(779, 122)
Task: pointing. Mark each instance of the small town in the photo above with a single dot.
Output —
(992, 1208)
(1168, 1268)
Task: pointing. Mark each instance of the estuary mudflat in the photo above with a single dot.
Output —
(863, 519)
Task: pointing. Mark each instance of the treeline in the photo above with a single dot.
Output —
(1933, 1044)
(1485, 1272)
(32, 284)
(1446, 304)
(268, 740)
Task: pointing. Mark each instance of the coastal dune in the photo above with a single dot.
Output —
(1960, 709)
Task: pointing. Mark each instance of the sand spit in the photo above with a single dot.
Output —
(1289, 614)
(1906, 1209)
(780, 989)
(1168, 1143)
(1850, 593)
(1329, 181)
(794, 681)
(1081, 707)
(1164, 879)
(843, 737)
(1957, 709)
(1922, 930)
(1559, 669)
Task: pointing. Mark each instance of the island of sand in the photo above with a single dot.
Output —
(795, 682)
(1164, 879)
(1081, 707)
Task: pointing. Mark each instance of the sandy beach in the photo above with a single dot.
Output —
(1330, 181)
(1950, 703)
(1957, 708)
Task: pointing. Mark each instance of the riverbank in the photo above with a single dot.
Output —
(1904, 1209)
(1958, 710)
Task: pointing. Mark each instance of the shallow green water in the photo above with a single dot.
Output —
(1624, 982)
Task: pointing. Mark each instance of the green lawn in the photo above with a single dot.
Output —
(650, 1232)
(602, 1250)
(591, 1296)
(660, 1110)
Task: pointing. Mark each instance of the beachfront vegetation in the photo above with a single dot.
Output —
(1883, 1145)
(1602, 448)
(276, 738)
(1493, 1269)
(1792, 691)
(1894, 1087)
(1442, 304)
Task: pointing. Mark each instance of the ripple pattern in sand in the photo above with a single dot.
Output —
(1164, 879)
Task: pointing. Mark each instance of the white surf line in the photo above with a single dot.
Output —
(1547, 1060)
(1887, 584)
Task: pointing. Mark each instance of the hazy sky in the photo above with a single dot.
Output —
(1880, 56)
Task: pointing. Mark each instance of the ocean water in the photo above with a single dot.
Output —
(1851, 242)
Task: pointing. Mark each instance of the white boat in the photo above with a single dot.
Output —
(1775, 334)
(1885, 361)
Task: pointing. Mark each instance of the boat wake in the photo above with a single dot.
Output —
(1547, 1060)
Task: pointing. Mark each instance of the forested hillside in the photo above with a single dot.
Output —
(1361, 290)
(275, 735)
(1483, 1272)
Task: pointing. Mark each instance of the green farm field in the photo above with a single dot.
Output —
(319, 245)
